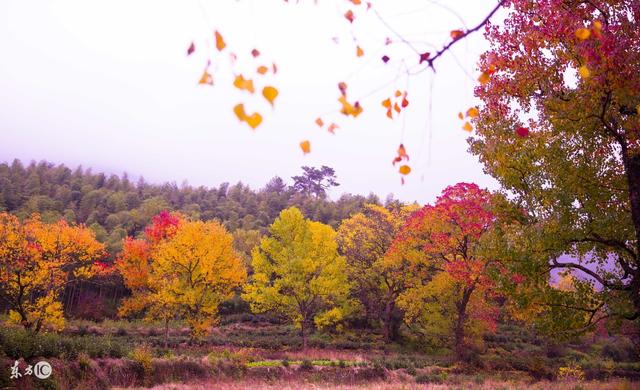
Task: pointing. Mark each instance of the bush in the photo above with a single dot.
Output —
(143, 357)
(571, 372)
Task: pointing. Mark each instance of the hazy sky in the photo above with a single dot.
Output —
(107, 84)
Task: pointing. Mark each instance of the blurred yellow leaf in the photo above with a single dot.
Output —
(270, 93)
(359, 51)
(254, 120)
(584, 72)
(472, 112)
(239, 111)
(219, 41)
(386, 103)
(206, 78)
(484, 78)
(460, 115)
(263, 69)
(583, 33)
(241, 83)
(319, 122)
(405, 169)
(348, 108)
(305, 146)
(467, 127)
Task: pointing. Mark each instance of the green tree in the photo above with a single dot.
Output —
(299, 274)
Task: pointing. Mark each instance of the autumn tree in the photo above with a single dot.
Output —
(37, 261)
(559, 128)
(450, 291)
(180, 269)
(364, 240)
(299, 274)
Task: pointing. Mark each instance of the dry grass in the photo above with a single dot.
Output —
(386, 385)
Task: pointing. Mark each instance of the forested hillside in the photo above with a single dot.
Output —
(115, 206)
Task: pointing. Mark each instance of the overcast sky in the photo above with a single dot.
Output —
(107, 84)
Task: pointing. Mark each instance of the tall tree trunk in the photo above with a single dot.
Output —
(303, 333)
(388, 320)
(458, 330)
(166, 333)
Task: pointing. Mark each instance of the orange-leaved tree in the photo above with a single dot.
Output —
(37, 261)
(180, 269)
(450, 292)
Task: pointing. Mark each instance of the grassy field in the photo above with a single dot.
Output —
(246, 352)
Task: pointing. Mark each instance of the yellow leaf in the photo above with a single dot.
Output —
(472, 112)
(405, 169)
(584, 72)
(270, 93)
(305, 146)
(254, 120)
(467, 127)
(359, 51)
(583, 33)
(239, 111)
(206, 78)
(386, 103)
(241, 83)
(319, 122)
(348, 108)
(484, 78)
(597, 25)
(398, 93)
(263, 69)
(219, 41)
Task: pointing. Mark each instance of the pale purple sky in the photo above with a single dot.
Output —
(107, 84)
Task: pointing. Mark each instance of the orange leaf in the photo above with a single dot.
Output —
(219, 41)
(472, 112)
(356, 2)
(396, 107)
(241, 83)
(484, 78)
(262, 69)
(332, 127)
(405, 170)
(239, 111)
(206, 78)
(390, 114)
(305, 146)
(319, 122)
(359, 51)
(254, 120)
(398, 93)
(402, 152)
(583, 33)
(460, 115)
(270, 93)
(386, 103)
(349, 15)
(467, 127)
(584, 72)
(349, 109)
(456, 34)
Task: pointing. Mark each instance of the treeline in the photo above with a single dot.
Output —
(115, 207)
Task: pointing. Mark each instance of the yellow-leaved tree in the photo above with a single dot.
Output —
(364, 240)
(180, 269)
(299, 274)
(37, 261)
